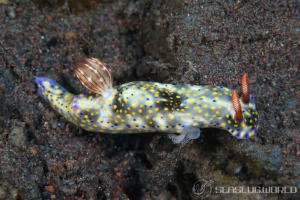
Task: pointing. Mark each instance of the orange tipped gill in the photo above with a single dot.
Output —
(237, 106)
(95, 75)
(245, 89)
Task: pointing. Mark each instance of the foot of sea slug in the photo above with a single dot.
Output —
(187, 134)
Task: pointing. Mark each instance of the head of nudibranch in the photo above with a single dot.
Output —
(244, 123)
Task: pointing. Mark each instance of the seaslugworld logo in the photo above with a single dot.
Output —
(204, 188)
(255, 189)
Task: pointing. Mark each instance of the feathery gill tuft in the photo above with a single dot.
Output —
(95, 75)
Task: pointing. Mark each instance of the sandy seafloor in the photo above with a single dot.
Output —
(201, 42)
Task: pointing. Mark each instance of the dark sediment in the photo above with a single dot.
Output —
(196, 42)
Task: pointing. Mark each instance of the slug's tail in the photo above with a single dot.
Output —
(59, 98)
(48, 88)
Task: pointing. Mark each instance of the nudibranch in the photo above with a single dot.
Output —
(138, 107)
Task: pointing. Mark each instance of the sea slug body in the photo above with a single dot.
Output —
(136, 107)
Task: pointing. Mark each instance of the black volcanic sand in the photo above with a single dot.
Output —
(42, 156)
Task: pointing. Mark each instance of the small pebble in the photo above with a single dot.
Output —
(17, 136)
(4, 2)
(11, 13)
(2, 193)
(14, 193)
(50, 188)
